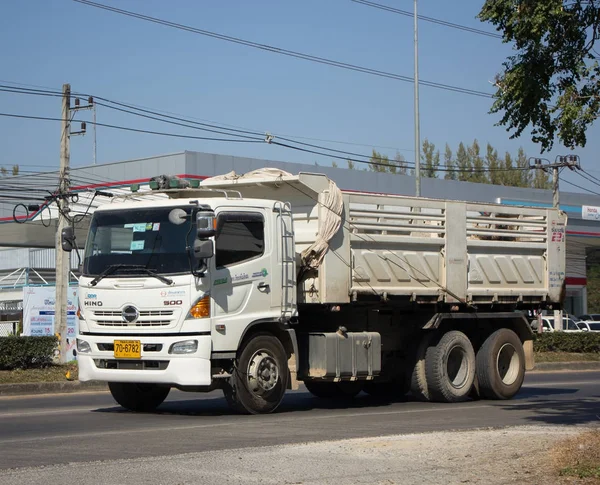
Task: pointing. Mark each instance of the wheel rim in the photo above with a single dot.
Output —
(457, 367)
(263, 372)
(507, 364)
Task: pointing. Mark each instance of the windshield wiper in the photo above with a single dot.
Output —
(114, 267)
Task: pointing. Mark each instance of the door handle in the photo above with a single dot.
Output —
(263, 286)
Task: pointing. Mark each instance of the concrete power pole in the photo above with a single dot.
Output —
(417, 120)
(63, 259)
(571, 162)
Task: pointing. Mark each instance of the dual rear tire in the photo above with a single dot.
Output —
(447, 369)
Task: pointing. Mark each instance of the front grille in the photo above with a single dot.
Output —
(143, 313)
(131, 364)
(110, 347)
(147, 318)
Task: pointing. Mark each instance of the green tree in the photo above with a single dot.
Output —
(381, 163)
(14, 171)
(351, 164)
(449, 164)
(509, 171)
(430, 159)
(401, 164)
(523, 174)
(478, 174)
(463, 163)
(541, 180)
(334, 164)
(493, 165)
(552, 82)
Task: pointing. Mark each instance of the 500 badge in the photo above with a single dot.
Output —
(172, 302)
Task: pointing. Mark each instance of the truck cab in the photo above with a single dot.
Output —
(161, 299)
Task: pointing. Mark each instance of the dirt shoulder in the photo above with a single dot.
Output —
(519, 455)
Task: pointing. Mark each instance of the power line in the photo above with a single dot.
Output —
(596, 179)
(285, 52)
(137, 130)
(187, 119)
(159, 117)
(428, 19)
(580, 187)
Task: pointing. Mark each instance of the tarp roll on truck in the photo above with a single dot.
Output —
(254, 283)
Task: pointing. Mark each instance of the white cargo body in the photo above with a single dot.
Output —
(425, 249)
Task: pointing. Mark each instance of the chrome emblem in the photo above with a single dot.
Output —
(130, 314)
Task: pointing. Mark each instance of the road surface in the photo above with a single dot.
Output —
(69, 428)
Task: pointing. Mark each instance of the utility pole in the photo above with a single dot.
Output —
(94, 121)
(572, 163)
(417, 120)
(63, 259)
(569, 161)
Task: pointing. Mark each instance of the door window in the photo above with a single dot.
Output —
(240, 237)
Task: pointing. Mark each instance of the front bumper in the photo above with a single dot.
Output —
(154, 367)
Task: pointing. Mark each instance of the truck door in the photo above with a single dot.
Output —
(241, 275)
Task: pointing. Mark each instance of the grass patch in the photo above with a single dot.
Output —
(52, 373)
(579, 457)
(567, 357)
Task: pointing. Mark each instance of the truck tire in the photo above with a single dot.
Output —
(418, 380)
(334, 390)
(500, 365)
(138, 397)
(450, 368)
(259, 381)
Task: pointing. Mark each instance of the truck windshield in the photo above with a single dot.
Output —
(146, 238)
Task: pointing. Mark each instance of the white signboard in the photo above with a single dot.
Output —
(38, 314)
(590, 213)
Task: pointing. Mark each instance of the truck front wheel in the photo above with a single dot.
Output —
(500, 365)
(258, 383)
(138, 397)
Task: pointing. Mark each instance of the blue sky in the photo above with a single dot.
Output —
(50, 42)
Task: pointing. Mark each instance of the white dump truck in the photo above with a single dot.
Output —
(252, 284)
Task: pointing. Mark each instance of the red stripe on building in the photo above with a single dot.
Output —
(575, 281)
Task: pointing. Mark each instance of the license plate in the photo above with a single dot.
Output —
(127, 349)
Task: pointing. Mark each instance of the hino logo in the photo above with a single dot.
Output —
(92, 303)
(130, 314)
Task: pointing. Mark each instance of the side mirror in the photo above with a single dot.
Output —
(206, 223)
(67, 239)
(203, 249)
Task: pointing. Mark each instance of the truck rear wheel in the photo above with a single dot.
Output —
(500, 365)
(450, 368)
(259, 380)
(138, 397)
(418, 380)
(334, 390)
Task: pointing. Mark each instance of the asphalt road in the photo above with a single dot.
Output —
(68, 428)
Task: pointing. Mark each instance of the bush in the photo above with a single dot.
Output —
(584, 342)
(26, 352)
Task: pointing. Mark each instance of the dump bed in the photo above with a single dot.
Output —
(426, 250)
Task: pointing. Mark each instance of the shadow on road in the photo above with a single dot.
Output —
(585, 410)
(302, 401)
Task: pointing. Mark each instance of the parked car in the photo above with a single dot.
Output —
(591, 317)
(589, 326)
(569, 324)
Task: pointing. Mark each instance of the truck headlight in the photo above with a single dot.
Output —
(83, 347)
(184, 347)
